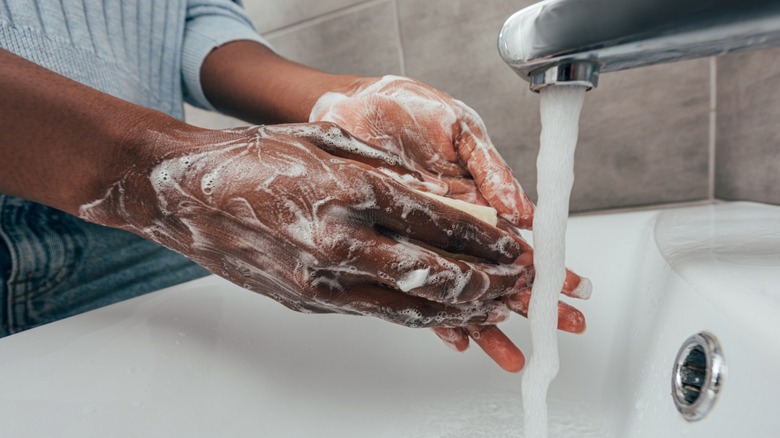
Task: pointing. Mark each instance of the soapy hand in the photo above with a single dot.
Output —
(444, 143)
(497, 345)
(439, 137)
(276, 210)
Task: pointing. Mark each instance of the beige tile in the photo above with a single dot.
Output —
(644, 138)
(269, 15)
(748, 133)
(644, 133)
(363, 42)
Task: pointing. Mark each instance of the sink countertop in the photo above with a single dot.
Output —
(208, 358)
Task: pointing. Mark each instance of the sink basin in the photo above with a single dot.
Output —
(210, 359)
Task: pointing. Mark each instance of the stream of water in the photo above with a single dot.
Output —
(560, 112)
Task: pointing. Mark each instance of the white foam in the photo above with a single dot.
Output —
(560, 110)
(424, 106)
(414, 279)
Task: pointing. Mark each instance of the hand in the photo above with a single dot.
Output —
(270, 209)
(439, 137)
(217, 196)
(444, 143)
(497, 345)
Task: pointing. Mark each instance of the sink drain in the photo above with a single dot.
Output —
(698, 375)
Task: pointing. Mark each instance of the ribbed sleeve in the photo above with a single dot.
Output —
(210, 24)
(129, 49)
(148, 52)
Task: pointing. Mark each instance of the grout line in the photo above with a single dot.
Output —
(712, 146)
(402, 56)
(321, 18)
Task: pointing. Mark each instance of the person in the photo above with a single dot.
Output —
(108, 194)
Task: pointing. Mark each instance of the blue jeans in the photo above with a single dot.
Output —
(54, 265)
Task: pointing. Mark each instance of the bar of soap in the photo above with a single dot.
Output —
(481, 212)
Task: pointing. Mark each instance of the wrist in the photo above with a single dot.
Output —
(64, 144)
(340, 84)
(123, 193)
(247, 80)
(137, 140)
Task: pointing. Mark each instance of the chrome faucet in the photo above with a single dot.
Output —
(573, 41)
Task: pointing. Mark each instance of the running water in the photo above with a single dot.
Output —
(560, 109)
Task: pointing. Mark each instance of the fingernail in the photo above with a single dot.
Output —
(448, 343)
(583, 290)
(498, 314)
(448, 337)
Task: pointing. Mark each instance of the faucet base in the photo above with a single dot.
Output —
(572, 72)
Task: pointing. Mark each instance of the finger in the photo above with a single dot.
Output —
(498, 346)
(577, 287)
(527, 252)
(407, 267)
(414, 215)
(495, 344)
(454, 337)
(492, 175)
(464, 189)
(569, 318)
(335, 140)
(574, 285)
(408, 310)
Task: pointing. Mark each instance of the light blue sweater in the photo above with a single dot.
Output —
(148, 52)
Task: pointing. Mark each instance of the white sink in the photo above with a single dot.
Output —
(210, 359)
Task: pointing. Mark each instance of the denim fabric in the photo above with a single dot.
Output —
(54, 265)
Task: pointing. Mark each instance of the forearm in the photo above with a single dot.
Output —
(247, 80)
(62, 143)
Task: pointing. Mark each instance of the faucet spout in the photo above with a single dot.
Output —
(557, 42)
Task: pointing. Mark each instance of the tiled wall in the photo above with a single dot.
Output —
(646, 136)
(748, 127)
